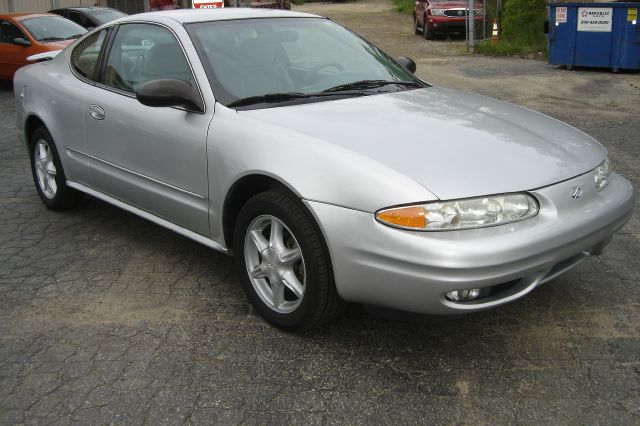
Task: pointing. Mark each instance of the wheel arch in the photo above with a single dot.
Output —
(30, 125)
(240, 192)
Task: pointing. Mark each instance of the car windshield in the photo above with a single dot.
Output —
(52, 28)
(298, 57)
(106, 15)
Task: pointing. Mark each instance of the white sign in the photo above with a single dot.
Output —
(597, 19)
(208, 4)
(561, 15)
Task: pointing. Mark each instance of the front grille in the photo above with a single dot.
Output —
(455, 12)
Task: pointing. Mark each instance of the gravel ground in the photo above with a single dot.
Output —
(107, 318)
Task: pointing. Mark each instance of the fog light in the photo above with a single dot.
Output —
(463, 295)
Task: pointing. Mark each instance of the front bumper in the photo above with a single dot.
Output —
(410, 271)
(451, 24)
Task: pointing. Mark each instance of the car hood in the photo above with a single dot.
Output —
(57, 45)
(453, 5)
(454, 144)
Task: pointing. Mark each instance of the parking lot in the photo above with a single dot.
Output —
(107, 318)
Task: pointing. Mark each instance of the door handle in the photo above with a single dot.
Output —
(96, 112)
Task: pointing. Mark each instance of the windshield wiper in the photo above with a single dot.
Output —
(73, 36)
(371, 84)
(51, 39)
(283, 97)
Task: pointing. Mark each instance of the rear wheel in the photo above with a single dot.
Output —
(283, 262)
(48, 174)
(416, 29)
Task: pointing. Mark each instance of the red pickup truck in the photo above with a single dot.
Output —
(431, 17)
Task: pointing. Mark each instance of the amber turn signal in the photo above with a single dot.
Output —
(407, 217)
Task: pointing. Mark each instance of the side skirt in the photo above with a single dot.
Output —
(150, 217)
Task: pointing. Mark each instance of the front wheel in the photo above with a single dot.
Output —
(428, 33)
(283, 263)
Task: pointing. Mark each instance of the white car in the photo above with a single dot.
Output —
(327, 168)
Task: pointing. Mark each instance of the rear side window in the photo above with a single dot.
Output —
(80, 19)
(141, 53)
(106, 15)
(84, 58)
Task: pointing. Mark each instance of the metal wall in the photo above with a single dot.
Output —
(129, 6)
(25, 5)
(44, 5)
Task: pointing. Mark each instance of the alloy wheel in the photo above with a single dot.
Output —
(45, 169)
(275, 264)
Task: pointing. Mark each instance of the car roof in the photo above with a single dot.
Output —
(18, 16)
(80, 8)
(186, 16)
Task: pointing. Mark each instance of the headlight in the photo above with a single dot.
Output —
(461, 214)
(601, 174)
(437, 12)
(478, 12)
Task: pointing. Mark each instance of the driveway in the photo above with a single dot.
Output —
(107, 318)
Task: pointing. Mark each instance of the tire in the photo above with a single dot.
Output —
(297, 294)
(417, 30)
(48, 175)
(426, 32)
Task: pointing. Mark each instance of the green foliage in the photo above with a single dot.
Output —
(504, 48)
(404, 6)
(522, 29)
(523, 20)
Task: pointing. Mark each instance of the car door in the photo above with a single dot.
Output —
(67, 96)
(12, 56)
(152, 158)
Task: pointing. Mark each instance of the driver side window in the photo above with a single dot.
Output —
(142, 53)
(9, 32)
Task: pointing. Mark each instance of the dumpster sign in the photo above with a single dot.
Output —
(596, 19)
(207, 4)
(561, 15)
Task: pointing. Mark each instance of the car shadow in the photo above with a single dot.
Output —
(596, 70)
(152, 237)
(6, 86)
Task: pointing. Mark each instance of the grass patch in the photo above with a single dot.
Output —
(404, 6)
(506, 48)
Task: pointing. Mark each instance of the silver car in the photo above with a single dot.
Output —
(327, 168)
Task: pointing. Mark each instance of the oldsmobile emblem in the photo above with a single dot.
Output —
(575, 192)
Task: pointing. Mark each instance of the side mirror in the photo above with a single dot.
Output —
(169, 93)
(21, 42)
(407, 63)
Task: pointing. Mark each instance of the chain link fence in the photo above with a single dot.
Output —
(486, 14)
